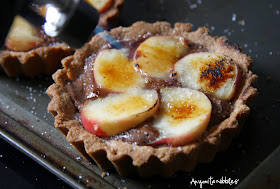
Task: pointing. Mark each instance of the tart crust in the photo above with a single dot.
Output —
(42, 60)
(145, 161)
(46, 60)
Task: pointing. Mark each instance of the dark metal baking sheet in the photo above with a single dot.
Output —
(254, 25)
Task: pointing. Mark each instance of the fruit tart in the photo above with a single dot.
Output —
(152, 99)
(109, 12)
(29, 51)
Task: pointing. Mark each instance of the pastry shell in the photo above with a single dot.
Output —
(42, 60)
(145, 161)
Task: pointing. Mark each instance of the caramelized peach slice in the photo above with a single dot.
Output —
(209, 72)
(117, 113)
(183, 116)
(22, 36)
(100, 5)
(157, 55)
(114, 71)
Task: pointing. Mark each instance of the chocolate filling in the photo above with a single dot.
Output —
(85, 87)
(140, 135)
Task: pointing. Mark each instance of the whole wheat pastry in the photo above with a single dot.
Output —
(29, 51)
(152, 99)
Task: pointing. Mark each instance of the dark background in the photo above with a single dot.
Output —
(255, 26)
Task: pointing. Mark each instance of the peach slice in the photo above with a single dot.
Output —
(117, 113)
(157, 55)
(183, 116)
(209, 72)
(100, 5)
(114, 71)
(42, 10)
(22, 36)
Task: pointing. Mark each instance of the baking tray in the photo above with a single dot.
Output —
(251, 158)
